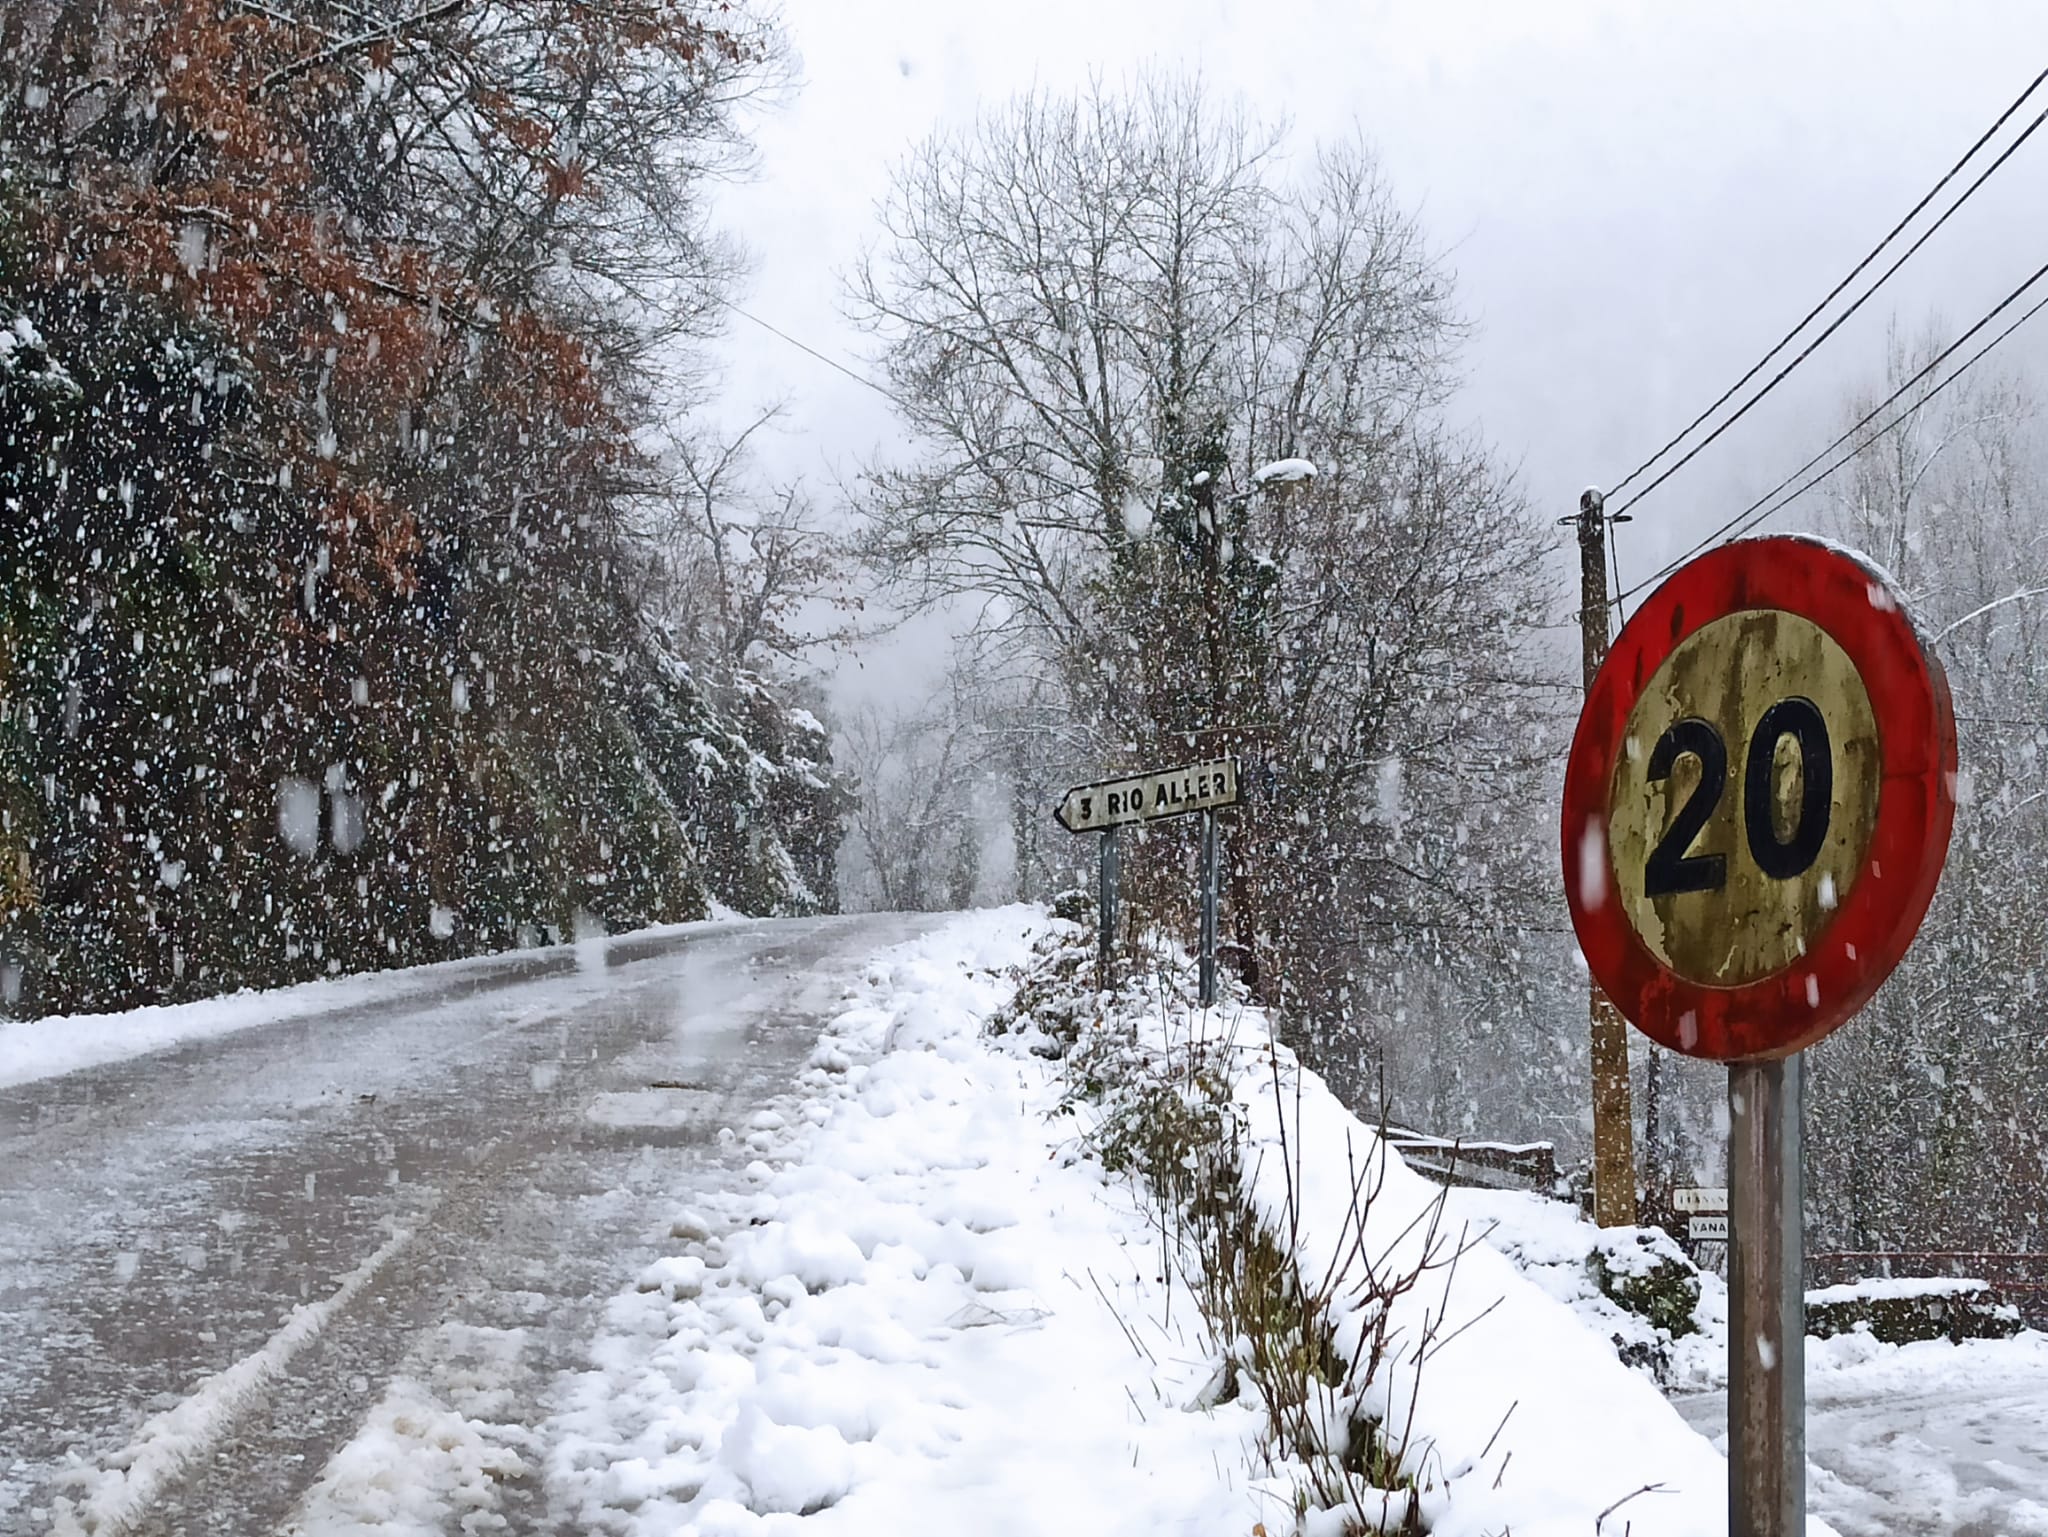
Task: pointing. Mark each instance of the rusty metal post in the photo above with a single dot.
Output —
(1209, 863)
(1105, 907)
(1614, 1157)
(1766, 1302)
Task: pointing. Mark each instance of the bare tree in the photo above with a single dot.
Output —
(1925, 1127)
(1175, 415)
(918, 823)
(744, 569)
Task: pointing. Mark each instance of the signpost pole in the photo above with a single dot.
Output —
(1105, 906)
(1209, 862)
(1766, 1302)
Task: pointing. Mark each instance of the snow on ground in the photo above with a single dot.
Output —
(1921, 1440)
(1517, 1416)
(418, 1468)
(1550, 1242)
(928, 1307)
(1881, 1288)
(918, 1300)
(1932, 1437)
(119, 1496)
(1901, 1439)
(34, 1049)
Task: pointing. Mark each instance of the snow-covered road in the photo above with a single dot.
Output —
(1930, 1440)
(739, 1229)
(224, 1261)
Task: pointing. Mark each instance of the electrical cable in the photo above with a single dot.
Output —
(829, 362)
(1747, 522)
(1765, 506)
(1836, 324)
(1835, 292)
(1614, 556)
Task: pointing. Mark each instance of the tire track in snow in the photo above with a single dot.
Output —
(124, 1491)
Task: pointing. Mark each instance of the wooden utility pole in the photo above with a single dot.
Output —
(1614, 1156)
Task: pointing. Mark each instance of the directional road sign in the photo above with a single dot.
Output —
(1206, 786)
(1759, 799)
(1699, 1199)
(1707, 1229)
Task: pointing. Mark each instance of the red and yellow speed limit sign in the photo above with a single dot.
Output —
(1759, 799)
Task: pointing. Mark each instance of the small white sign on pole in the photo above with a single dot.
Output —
(1699, 1199)
(1707, 1229)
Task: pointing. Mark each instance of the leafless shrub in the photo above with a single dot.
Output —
(1169, 1119)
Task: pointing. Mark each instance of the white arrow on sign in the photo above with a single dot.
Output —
(1205, 786)
(1700, 1229)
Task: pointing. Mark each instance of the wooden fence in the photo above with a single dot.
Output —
(1480, 1165)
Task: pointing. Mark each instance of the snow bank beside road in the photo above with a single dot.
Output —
(1552, 1245)
(912, 1315)
(918, 1302)
(1505, 1409)
(1529, 1421)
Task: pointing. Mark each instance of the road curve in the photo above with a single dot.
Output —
(1933, 1441)
(215, 1260)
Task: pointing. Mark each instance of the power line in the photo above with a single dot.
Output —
(1837, 323)
(1749, 522)
(829, 362)
(1835, 292)
(1614, 554)
(1765, 506)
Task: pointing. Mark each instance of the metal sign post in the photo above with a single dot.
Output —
(1766, 1302)
(1105, 909)
(1208, 963)
(1756, 812)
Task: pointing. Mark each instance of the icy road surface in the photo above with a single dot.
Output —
(461, 1157)
(1925, 1440)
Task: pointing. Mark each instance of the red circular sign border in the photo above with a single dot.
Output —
(1789, 1010)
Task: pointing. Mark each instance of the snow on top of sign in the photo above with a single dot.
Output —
(1885, 589)
(1284, 470)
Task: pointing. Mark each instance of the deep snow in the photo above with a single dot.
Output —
(923, 1309)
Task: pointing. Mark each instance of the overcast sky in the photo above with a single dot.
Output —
(1636, 199)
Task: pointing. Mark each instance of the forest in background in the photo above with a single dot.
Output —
(357, 611)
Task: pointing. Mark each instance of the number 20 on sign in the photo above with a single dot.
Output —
(1759, 799)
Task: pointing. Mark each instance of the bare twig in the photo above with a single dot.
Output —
(1632, 1494)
